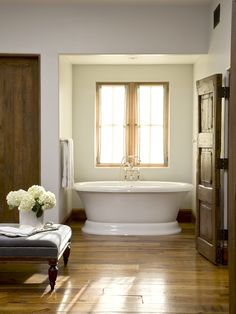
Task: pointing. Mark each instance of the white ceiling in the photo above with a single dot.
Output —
(133, 2)
(166, 2)
(132, 59)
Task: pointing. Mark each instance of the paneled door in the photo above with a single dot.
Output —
(232, 168)
(19, 128)
(208, 170)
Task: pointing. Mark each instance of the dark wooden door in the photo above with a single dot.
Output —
(232, 168)
(208, 172)
(19, 128)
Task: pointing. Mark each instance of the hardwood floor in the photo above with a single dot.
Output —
(114, 275)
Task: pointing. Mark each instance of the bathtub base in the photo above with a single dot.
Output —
(101, 228)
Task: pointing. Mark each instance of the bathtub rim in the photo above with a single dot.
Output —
(132, 186)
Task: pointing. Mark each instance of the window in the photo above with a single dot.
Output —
(132, 120)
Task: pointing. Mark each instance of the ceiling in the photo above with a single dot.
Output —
(134, 2)
(132, 59)
(165, 2)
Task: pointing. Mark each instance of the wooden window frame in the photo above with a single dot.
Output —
(131, 128)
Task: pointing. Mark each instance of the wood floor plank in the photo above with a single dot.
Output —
(120, 275)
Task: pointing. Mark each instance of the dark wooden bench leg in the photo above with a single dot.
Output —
(66, 254)
(52, 272)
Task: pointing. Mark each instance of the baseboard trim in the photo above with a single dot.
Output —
(78, 214)
(186, 216)
(66, 218)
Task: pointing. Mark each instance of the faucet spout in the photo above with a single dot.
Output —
(129, 168)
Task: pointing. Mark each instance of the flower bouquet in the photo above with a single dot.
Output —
(35, 199)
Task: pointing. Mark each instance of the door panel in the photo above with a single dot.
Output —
(205, 222)
(19, 128)
(205, 194)
(208, 174)
(206, 113)
(206, 167)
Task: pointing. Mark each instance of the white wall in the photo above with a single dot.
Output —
(65, 129)
(72, 26)
(216, 61)
(218, 58)
(180, 91)
(48, 28)
(65, 97)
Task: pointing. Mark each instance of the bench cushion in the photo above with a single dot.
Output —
(47, 244)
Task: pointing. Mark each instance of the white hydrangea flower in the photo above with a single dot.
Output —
(14, 198)
(36, 191)
(27, 202)
(36, 199)
(48, 200)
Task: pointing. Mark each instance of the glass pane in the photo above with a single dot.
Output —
(144, 104)
(112, 144)
(112, 123)
(144, 144)
(151, 148)
(105, 105)
(106, 144)
(156, 142)
(112, 105)
(118, 144)
(151, 102)
(157, 104)
(151, 123)
(119, 99)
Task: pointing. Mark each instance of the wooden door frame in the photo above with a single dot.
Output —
(232, 169)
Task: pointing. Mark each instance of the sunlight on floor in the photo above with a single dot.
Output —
(64, 306)
(109, 292)
(36, 278)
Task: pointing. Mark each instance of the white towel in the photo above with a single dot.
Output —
(24, 231)
(68, 163)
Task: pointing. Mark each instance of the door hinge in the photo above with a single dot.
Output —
(223, 234)
(222, 247)
(223, 163)
(222, 255)
(224, 92)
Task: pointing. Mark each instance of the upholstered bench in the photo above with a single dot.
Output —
(43, 246)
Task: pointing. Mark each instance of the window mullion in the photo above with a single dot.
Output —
(150, 124)
(166, 123)
(132, 120)
(126, 122)
(135, 112)
(98, 123)
(137, 117)
(112, 125)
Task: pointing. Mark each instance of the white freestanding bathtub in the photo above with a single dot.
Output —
(132, 207)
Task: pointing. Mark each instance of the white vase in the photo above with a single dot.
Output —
(28, 218)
